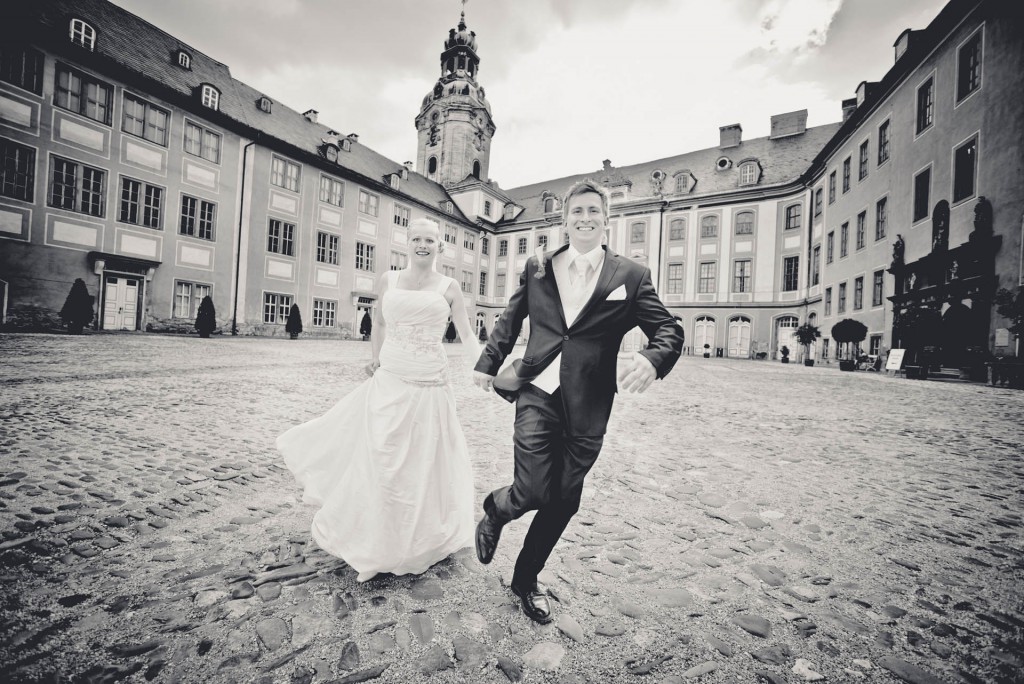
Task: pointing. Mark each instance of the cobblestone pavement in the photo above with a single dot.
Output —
(747, 521)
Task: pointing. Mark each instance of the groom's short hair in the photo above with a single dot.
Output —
(581, 187)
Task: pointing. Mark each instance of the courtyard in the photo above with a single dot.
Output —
(747, 521)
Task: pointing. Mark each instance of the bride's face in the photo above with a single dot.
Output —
(424, 243)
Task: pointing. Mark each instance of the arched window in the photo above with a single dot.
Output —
(476, 169)
(813, 318)
(704, 333)
(184, 60)
(82, 34)
(745, 223)
(709, 227)
(432, 166)
(549, 205)
(677, 229)
(739, 336)
(748, 173)
(638, 233)
(210, 97)
(793, 213)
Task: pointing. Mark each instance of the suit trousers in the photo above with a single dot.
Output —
(549, 470)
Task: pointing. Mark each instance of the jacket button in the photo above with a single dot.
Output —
(565, 337)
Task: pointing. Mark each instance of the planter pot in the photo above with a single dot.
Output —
(205, 334)
(785, 359)
(293, 336)
(846, 365)
(707, 355)
(75, 328)
(808, 362)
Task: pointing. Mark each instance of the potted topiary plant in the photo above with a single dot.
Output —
(784, 351)
(845, 332)
(366, 326)
(77, 312)
(294, 324)
(449, 333)
(707, 351)
(483, 334)
(805, 335)
(206, 317)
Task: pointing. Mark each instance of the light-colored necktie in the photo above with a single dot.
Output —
(581, 270)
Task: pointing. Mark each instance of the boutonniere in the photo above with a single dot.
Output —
(541, 264)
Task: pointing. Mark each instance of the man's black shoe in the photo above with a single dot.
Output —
(488, 532)
(535, 602)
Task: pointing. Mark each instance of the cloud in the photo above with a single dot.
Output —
(796, 26)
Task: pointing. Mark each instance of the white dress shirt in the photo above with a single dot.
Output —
(574, 296)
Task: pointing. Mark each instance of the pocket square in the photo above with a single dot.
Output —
(617, 294)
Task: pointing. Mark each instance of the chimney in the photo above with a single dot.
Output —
(606, 164)
(730, 136)
(790, 123)
(902, 43)
(354, 137)
(849, 107)
(310, 115)
(407, 170)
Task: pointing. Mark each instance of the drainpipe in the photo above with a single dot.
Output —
(238, 250)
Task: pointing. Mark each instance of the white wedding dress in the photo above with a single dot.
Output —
(388, 464)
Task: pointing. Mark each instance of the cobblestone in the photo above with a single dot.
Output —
(747, 521)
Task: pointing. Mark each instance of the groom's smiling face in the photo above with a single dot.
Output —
(586, 221)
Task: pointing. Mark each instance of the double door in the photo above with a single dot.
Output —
(120, 302)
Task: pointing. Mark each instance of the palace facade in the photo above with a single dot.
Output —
(137, 163)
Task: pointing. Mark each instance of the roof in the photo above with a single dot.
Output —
(150, 53)
(783, 160)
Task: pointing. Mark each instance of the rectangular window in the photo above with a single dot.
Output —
(325, 313)
(883, 143)
(449, 234)
(21, 66)
(874, 344)
(502, 248)
(925, 105)
(483, 284)
(706, 282)
(487, 208)
(828, 301)
(542, 241)
(276, 307)
(862, 166)
(790, 273)
(521, 246)
(841, 304)
(83, 94)
(197, 217)
(144, 120)
(832, 187)
(846, 175)
(922, 186)
(285, 174)
(141, 203)
(881, 217)
(830, 247)
(675, 278)
(862, 219)
(365, 257)
(965, 167)
(876, 288)
(858, 293)
(467, 282)
(399, 261)
(369, 203)
(745, 223)
(741, 275)
(188, 297)
(281, 237)
(449, 271)
(485, 245)
(202, 142)
(817, 202)
(968, 68)
(401, 215)
(793, 216)
(816, 265)
(638, 233)
(468, 240)
(76, 187)
(327, 248)
(499, 285)
(844, 240)
(332, 191)
(17, 176)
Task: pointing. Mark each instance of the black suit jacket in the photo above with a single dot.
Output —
(590, 345)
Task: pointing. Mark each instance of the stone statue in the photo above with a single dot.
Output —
(982, 218)
(897, 251)
(940, 226)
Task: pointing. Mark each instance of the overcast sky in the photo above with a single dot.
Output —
(570, 82)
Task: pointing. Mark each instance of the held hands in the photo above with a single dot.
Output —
(636, 375)
(371, 367)
(483, 381)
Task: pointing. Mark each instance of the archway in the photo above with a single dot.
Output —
(785, 329)
(704, 333)
(739, 337)
(956, 334)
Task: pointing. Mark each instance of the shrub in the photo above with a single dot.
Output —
(849, 331)
(77, 312)
(206, 317)
(294, 324)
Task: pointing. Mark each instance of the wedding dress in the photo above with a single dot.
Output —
(388, 464)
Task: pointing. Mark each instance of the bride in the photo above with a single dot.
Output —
(388, 464)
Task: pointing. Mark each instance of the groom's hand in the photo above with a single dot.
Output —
(637, 375)
(483, 380)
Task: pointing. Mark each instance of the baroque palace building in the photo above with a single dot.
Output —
(137, 163)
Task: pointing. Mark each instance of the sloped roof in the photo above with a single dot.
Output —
(151, 53)
(783, 160)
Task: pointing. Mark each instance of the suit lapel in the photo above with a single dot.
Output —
(604, 283)
(551, 284)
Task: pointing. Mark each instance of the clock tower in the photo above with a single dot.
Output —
(454, 125)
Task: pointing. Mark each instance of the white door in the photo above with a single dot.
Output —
(739, 338)
(119, 303)
(786, 335)
(704, 333)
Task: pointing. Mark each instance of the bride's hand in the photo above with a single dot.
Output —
(371, 367)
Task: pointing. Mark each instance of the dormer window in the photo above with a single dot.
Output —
(82, 34)
(684, 181)
(394, 179)
(184, 59)
(210, 97)
(510, 212)
(346, 144)
(264, 104)
(448, 207)
(487, 208)
(750, 172)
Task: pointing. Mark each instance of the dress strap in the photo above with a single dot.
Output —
(392, 279)
(443, 286)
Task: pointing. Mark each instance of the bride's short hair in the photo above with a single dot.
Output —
(425, 223)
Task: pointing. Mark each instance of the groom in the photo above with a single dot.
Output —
(581, 300)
